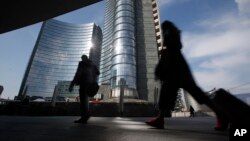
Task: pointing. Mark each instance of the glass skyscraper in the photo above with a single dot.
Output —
(131, 42)
(56, 54)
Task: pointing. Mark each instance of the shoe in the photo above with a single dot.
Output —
(221, 125)
(220, 128)
(156, 122)
(82, 120)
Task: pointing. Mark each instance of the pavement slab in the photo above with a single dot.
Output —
(62, 128)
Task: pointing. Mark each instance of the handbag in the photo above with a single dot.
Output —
(93, 89)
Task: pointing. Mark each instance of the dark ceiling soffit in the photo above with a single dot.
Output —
(16, 14)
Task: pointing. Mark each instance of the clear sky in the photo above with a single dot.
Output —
(215, 37)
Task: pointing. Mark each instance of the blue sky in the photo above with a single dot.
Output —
(215, 36)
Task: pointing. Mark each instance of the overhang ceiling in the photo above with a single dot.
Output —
(16, 14)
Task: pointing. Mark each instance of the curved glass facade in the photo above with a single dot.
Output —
(123, 48)
(105, 61)
(130, 45)
(56, 55)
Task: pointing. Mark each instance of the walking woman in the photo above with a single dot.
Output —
(174, 73)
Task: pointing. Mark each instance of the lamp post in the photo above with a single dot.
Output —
(122, 83)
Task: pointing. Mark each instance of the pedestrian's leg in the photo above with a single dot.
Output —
(84, 106)
(84, 103)
(166, 104)
(167, 99)
(199, 95)
(202, 98)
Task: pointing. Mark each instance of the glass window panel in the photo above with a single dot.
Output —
(124, 33)
(123, 58)
(124, 20)
(124, 41)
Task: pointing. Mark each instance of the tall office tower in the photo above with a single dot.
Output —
(131, 41)
(56, 54)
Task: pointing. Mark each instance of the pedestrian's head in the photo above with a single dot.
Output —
(84, 57)
(169, 26)
(171, 35)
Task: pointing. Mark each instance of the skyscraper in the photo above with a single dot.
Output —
(131, 42)
(56, 54)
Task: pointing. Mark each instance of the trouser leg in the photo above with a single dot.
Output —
(168, 95)
(197, 94)
(200, 96)
(84, 103)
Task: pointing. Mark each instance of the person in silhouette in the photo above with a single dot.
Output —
(1, 89)
(191, 110)
(174, 73)
(86, 74)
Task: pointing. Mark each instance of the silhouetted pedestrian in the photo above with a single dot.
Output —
(86, 74)
(1, 89)
(174, 73)
(191, 110)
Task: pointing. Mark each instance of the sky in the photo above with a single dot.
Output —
(215, 36)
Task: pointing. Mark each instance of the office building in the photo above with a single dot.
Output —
(130, 48)
(56, 54)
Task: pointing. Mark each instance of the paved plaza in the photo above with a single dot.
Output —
(62, 128)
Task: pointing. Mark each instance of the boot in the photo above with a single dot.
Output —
(82, 120)
(157, 122)
(221, 124)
